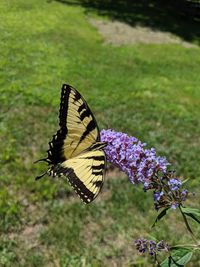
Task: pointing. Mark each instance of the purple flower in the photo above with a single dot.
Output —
(162, 245)
(152, 248)
(144, 245)
(174, 184)
(131, 156)
(142, 165)
(141, 245)
(174, 206)
(184, 194)
(157, 196)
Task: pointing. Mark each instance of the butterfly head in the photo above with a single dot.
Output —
(52, 171)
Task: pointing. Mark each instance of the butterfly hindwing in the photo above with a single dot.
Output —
(85, 173)
(78, 127)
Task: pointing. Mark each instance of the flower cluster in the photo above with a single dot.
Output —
(167, 191)
(150, 246)
(174, 184)
(131, 156)
(142, 165)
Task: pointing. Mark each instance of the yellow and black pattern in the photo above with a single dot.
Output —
(78, 127)
(86, 173)
(75, 150)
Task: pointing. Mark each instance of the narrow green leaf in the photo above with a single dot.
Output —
(193, 217)
(185, 181)
(186, 258)
(175, 263)
(192, 213)
(160, 216)
(178, 258)
(195, 212)
(186, 222)
(190, 247)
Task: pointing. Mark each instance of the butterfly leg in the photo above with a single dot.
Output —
(49, 172)
(40, 176)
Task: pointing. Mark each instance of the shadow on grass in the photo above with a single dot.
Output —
(179, 17)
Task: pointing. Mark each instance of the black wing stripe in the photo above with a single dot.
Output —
(81, 108)
(98, 158)
(98, 183)
(85, 194)
(98, 146)
(98, 167)
(99, 173)
(86, 113)
(90, 127)
(77, 96)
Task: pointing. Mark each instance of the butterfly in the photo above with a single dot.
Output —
(75, 151)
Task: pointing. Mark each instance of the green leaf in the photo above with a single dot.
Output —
(185, 181)
(195, 212)
(160, 216)
(193, 217)
(192, 213)
(179, 258)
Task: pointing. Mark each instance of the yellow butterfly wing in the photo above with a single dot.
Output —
(75, 151)
(85, 173)
(78, 127)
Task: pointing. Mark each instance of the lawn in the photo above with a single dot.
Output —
(149, 91)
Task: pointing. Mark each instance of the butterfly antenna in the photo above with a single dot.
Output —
(40, 160)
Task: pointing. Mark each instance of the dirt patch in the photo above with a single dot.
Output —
(114, 172)
(30, 235)
(119, 33)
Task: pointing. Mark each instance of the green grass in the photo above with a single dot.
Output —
(149, 91)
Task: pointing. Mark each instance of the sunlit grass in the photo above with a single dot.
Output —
(149, 91)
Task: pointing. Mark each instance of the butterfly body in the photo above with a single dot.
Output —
(75, 151)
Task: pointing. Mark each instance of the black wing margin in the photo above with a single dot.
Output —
(55, 154)
(78, 127)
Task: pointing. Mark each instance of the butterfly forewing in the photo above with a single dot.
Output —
(78, 127)
(82, 129)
